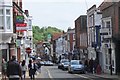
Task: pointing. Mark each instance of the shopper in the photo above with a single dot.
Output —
(32, 69)
(14, 71)
(24, 69)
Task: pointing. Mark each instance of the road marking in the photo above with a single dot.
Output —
(83, 77)
(49, 73)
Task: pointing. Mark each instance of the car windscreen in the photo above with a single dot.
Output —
(75, 63)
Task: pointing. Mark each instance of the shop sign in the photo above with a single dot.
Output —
(19, 19)
(21, 24)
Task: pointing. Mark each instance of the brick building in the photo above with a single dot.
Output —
(110, 35)
(81, 35)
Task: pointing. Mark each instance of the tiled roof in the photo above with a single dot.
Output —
(56, 36)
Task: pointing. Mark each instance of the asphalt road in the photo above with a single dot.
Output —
(53, 73)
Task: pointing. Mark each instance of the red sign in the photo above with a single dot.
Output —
(28, 50)
(21, 24)
(20, 30)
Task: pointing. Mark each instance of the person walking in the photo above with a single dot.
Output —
(32, 69)
(4, 69)
(91, 65)
(86, 65)
(14, 71)
(24, 69)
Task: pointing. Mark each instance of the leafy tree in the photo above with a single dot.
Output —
(40, 34)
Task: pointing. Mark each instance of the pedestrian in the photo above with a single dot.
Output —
(4, 69)
(86, 65)
(91, 65)
(32, 69)
(95, 63)
(24, 69)
(14, 71)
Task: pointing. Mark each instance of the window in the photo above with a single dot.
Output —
(68, 36)
(7, 11)
(1, 11)
(8, 22)
(108, 24)
(1, 19)
(73, 36)
(8, 19)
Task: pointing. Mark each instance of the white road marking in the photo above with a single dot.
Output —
(49, 73)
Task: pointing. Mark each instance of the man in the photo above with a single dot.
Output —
(14, 71)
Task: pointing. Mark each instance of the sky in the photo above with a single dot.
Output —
(57, 13)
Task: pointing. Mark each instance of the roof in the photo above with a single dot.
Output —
(56, 36)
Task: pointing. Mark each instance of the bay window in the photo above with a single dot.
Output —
(8, 19)
(1, 19)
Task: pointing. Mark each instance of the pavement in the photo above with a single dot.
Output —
(103, 75)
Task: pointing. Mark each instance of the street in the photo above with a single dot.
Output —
(53, 73)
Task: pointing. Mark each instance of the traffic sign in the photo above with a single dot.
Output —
(28, 50)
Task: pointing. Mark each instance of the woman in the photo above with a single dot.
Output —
(24, 69)
(32, 69)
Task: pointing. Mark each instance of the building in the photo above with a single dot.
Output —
(93, 28)
(22, 23)
(57, 45)
(110, 33)
(71, 44)
(6, 30)
(81, 36)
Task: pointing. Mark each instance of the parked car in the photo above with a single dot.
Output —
(48, 63)
(65, 65)
(42, 63)
(76, 66)
(60, 65)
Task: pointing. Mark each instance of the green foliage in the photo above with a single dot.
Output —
(40, 34)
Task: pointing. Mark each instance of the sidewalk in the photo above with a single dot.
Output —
(105, 75)
(0, 75)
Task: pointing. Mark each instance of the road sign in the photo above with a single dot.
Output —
(28, 50)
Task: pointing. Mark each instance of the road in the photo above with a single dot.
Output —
(53, 73)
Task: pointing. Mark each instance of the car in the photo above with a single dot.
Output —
(42, 63)
(48, 63)
(60, 65)
(65, 66)
(76, 66)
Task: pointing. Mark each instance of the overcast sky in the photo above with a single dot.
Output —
(58, 13)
